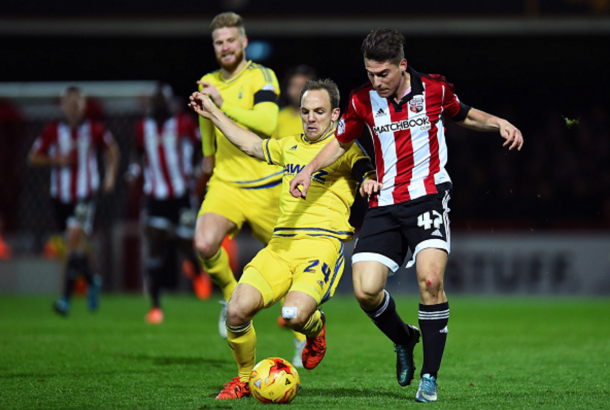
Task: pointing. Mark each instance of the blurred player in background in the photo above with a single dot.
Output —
(70, 147)
(241, 189)
(289, 118)
(405, 111)
(304, 259)
(167, 145)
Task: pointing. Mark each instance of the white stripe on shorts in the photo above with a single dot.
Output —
(430, 243)
(375, 257)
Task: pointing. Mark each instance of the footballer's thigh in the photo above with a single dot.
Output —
(262, 211)
(221, 213)
(268, 273)
(318, 266)
(210, 231)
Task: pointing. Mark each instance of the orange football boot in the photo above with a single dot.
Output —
(235, 389)
(315, 348)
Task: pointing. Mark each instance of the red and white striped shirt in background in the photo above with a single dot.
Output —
(169, 151)
(81, 179)
(409, 138)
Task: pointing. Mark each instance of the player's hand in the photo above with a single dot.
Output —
(108, 185)
(512, 135)
(207, 166)
(370, 187)
(211, 91)
(132, 174)
(303, 179)
(64, 160)
(201, 104)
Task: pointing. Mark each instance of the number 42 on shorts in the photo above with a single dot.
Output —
(427, 222)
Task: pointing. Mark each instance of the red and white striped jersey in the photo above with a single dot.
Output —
(169, 150)
(409, 138)
(81, 179)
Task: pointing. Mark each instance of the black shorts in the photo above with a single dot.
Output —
(175, 214)
(389, 232)
(73, 214)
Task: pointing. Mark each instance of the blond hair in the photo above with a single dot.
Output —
(228, 19)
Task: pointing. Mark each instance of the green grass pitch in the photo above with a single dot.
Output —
(502, 353)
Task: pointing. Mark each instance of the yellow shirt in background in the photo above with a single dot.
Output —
(289, 122)
(250, 99)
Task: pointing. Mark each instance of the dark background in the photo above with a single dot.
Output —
(533, 78)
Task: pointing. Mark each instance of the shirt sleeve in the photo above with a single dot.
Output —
(43, 142)
(262, 118)
(360, 163)
(452, 107)
(206, 130)
(273, 151)
(351, 124)
(208, 143)
(139, 135)
(101, 135)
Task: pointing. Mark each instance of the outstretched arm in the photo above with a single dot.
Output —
(245, 140)
(262, 118)
(42, 159)
(329, 154)
(481, 121)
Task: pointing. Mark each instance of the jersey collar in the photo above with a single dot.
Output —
(417, 88)
(234, 78)
(330, 134)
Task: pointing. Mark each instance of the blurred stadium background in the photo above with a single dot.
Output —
(533, 222)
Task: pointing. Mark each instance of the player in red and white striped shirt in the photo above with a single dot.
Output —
(70, 147)
(166, 145)
(408, 204)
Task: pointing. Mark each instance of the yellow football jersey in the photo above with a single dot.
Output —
(255, 84)
(289, 122)
(326, 210)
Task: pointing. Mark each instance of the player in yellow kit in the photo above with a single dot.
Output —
(289, 117)
(304, 260)
(241, 189)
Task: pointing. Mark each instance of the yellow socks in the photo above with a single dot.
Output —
(243, 344)
(220, 271)
(314, 325)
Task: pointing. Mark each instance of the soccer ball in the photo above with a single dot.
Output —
(274, 380)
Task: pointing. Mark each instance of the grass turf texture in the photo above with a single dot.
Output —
(508, 353)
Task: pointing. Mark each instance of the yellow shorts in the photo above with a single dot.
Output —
(260, 208)
(312, 265)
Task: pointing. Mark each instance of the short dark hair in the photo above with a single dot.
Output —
(302, 69)
(325, 84)
(72, 89)
(228, 19)
(384, 45)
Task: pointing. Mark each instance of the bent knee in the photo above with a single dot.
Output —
(206, 248)
(433, 282)
(367, 299)
(236, 316)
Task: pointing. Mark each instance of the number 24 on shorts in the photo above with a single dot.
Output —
(312, 268)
